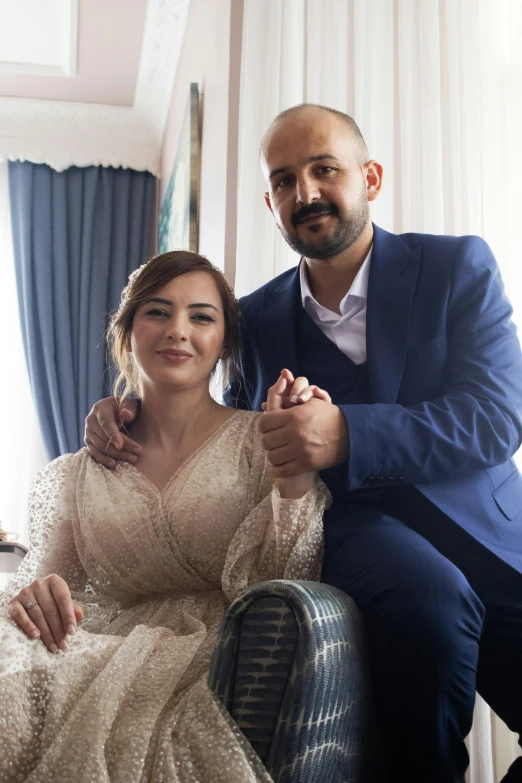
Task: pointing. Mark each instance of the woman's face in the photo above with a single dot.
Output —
(178, 332)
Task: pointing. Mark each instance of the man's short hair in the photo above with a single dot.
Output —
(360, 145)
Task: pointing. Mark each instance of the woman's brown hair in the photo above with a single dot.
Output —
(156, 273)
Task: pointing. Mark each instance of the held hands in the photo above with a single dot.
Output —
(44, 609)
(302, 438)
(298, 391)
(298, 485)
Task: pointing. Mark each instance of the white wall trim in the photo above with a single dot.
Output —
(33, 69)
(64, 134)
(70, 55)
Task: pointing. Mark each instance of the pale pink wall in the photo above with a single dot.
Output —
(204, 59)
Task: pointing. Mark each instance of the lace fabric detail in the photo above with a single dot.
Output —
(47, 514)
(154, 572)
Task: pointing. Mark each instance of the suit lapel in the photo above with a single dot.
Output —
(277, 327)
(394, 269)
(393, 276)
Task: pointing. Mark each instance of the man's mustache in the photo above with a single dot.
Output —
(313, 209)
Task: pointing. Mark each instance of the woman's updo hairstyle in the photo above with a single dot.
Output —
(156, 273)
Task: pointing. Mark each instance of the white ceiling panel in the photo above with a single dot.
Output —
(39, 36)
(109, 41)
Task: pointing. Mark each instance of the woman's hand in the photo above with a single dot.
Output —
(44, 609)
(298, 391)
(296, 486)
(103, 438)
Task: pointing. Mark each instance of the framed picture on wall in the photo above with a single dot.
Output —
(178, 219)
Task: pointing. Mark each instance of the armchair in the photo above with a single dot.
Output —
(11, 555)
(290, 667)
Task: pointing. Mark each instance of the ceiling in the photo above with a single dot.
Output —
(87, 81)
(100, 39)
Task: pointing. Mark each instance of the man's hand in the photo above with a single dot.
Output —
(103, 438)
(305, 438)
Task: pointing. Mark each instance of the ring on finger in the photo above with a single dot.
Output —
(30, 605)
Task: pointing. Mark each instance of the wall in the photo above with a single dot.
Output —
(205, 59)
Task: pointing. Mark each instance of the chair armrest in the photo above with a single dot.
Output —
(11, 555)
(290, 667)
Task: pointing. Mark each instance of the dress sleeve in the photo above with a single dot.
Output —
(279, 538)
(52, 548)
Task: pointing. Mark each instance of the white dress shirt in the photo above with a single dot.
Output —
(347, 330)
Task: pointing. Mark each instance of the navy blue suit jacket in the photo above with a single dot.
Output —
(445, 371)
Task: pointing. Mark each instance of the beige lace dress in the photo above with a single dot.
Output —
(154, 572)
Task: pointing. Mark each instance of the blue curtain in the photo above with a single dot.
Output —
(77, 236)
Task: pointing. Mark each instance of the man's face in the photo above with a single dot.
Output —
(317, 190)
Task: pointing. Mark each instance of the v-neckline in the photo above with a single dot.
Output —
(186, 462)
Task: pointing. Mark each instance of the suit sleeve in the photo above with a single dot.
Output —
(476, 423)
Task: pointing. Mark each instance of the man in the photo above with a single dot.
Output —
(412, 338)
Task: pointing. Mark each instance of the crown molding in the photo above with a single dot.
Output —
(64, 134)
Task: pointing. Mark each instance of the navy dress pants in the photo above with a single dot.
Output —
(443, 617)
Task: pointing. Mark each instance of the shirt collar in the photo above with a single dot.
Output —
(359, 287)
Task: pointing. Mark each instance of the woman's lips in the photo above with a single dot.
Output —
(175, 357)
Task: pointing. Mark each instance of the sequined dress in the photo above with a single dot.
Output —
(154, 572)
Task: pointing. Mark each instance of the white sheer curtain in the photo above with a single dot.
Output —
(22, 452)
(436, 87)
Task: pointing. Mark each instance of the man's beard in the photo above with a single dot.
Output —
(343, 234)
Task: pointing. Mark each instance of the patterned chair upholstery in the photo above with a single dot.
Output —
(290, 668)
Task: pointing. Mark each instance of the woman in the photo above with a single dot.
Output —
(149, 556)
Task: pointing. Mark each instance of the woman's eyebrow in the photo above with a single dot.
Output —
(204, 304)
(157, 299)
